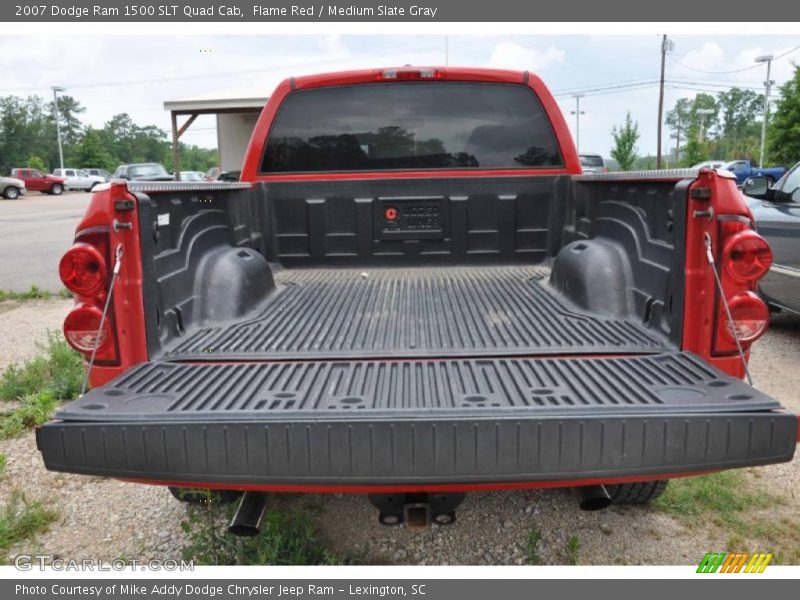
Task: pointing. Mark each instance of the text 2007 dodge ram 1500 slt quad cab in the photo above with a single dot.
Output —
(414, 293)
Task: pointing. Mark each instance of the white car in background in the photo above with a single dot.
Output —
(192, 176)
(595, 163)
(78, 179)
(709, 164)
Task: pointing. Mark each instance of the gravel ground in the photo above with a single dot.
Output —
(25, 326)
(107, 519)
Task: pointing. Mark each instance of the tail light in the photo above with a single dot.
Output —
(84, 270)
(747, 256)
(744, 258)
(83, 332)
(749, 318)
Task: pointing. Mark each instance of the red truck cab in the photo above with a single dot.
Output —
(37, 181)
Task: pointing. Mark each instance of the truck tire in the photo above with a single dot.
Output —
(201, 496)
(639, 492)
(11, 193)
(56, 189)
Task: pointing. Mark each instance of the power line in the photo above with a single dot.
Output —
(623, 85)
(742, 70)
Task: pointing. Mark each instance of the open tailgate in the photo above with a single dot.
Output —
(362, 422)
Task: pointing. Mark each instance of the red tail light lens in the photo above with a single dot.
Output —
(747, 256)
(83, 270)
(83, 332)
(750, 317)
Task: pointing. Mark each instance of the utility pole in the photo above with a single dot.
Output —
(578, 112)
(57, 89)
(767, 58)
(664, 46)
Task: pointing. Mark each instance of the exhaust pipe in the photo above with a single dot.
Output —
(247, 520)
(592, 497)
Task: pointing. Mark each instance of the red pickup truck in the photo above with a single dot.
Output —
(37, 181)
(415, 293)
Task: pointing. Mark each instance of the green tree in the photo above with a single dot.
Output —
(784, 127)
(696, 149)
(740, 127)
(35, 162)
(69, 111)
(625, 138)
(91, 153)
(193, 158)
(678, 121)
(28, 130)
(25, 129)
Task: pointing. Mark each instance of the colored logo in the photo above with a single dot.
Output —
(736, 562)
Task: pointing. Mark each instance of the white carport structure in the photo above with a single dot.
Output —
(236, 119)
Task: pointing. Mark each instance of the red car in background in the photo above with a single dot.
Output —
(37, 181)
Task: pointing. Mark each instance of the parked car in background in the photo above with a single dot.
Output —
(11, 188)
(192, 176)
(76, 179)
(143, 172)
(594, 163)
(745, 169)
(776, 210)
(709, 164)
(37, 181)
(98, 172)
(213, 173)
(229, 176)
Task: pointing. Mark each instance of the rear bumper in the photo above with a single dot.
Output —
(363, 452)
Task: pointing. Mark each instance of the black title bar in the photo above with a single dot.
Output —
(242, 11)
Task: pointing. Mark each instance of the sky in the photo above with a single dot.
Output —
(136, 74)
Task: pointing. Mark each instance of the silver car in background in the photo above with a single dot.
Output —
(77, 179)
(12, 188)
(776, 211)
(597, 163)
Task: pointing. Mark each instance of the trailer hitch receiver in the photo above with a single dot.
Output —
(417, 510)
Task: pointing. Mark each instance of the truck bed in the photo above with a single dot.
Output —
(406, 312)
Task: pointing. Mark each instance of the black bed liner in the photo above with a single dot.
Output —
(435, 421)
(431, 312)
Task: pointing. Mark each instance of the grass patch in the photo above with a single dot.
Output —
(3, 463)
(736, 543)
(34, 410)
(725, 495)
(288, 537)
(32, 294)
(40, 385)
(746, 513)
(58, 370)
(573, 550)
(532, 555)
(21, 519)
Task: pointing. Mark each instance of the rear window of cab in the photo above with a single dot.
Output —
(411, 125)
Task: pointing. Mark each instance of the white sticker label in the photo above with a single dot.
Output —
(163, 220)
